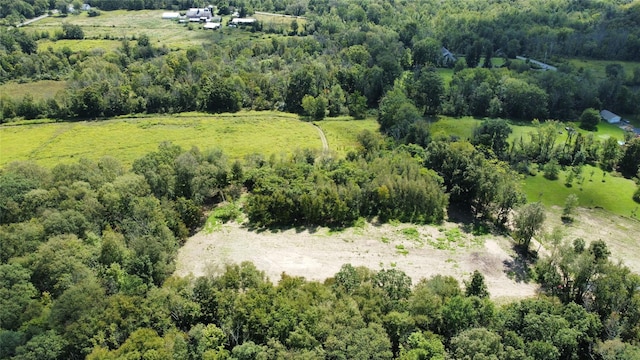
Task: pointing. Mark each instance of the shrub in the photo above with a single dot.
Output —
(551, 170)
(636, 195)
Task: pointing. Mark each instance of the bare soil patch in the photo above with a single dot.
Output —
(419, 251)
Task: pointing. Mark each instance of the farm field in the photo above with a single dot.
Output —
(127, 139)
(107, 30)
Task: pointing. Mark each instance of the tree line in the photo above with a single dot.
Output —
(343, 60)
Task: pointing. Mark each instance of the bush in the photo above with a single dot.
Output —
(636, 195)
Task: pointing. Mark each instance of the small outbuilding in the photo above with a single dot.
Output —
(212, 25)
(242, 21)
(610, 117)
(170, 15)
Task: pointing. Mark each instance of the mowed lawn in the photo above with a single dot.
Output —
(614, 194)
(127, 139)
(608, 192)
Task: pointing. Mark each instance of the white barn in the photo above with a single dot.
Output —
(610, 117)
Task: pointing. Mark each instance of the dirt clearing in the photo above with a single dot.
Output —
(419, 251)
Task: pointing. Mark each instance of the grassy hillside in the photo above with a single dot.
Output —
(596, 191)
(126, 139)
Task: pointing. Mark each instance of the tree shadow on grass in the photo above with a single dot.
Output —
(519, 268)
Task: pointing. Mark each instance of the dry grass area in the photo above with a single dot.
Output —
(622, 234)
(317, 254)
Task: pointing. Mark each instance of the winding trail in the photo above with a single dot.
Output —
(325, 143)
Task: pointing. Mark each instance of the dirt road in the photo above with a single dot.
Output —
(325, 143)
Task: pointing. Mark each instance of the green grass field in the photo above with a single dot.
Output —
(127, 139)
(342, 132)
(596, 191)
(446, 126)
(463, 128)
(598, 66)
(88, 45)
(106, 31)
(43, 89)
(605, 131)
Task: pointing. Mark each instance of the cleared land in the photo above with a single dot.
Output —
(127, 139)
(118, 24)
(420, 251)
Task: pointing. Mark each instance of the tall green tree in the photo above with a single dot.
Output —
(528, 223)
(589, 119)
(630, 162)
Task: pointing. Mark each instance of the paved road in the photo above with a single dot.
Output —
(325, 143)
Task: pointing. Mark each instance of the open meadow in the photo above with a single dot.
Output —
(342, 132)
(111, 26)
(39, 90)
(238, 135)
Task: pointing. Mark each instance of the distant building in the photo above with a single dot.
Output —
(449, 58)
(610, 117)
(212, 25)
(242, 21)
(200, 14)
(170, 15)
